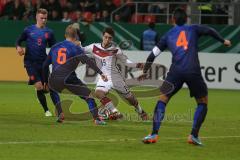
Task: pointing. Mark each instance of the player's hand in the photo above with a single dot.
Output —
(20, 50)
(142, 77)
(78, 43)
(104, 77)
(140, 66)
(227, 43)
(45, 87)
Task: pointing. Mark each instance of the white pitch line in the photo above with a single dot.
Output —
(104, 140)
(67, 141)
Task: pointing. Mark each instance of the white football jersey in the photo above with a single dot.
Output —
(106, 58)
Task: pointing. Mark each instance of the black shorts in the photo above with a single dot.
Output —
(195, 83)
(34, 72)
(73, 84)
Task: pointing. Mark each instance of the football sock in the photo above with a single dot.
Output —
(92, 107)
(138, 108)
(42, 99)
(158, 116)
(107, 102)
(56, 100)
(199, 116)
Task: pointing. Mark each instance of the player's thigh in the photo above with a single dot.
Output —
(77, 87)
(202, 100)
(121, 87)
(33, 74)
(99, 93)
(103, 87)
(171, 85)
(196, 85)
(56, 83)
(79, 90)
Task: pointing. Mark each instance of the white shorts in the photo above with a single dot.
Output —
(117, 84)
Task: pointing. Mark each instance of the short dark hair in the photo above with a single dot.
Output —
(42, 11)
(109, 30)
(151, 25)
(180, 16)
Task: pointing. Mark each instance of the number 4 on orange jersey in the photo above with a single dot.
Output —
(182, 40)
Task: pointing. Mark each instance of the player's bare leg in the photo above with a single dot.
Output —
(42, 98)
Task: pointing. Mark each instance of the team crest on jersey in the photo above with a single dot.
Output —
(32, 78)
(46, 35)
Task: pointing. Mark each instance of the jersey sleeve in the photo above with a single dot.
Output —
(124, 59)
(79, 50)
(205, 30)
(156, 51)
(90, 62)
(88, 49)
(22, 37)
(162, 44)
(51, 40)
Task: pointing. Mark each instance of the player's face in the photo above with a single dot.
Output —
(41, 20)
(107, 39)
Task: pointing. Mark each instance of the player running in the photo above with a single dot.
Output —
(106, 55)
(65, 57)
(37, 37)
(182, 41)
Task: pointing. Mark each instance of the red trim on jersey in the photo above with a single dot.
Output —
(103, 53)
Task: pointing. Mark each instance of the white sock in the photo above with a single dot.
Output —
(139, 109)
(111, 107)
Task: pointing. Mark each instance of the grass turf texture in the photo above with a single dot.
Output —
(26, 134)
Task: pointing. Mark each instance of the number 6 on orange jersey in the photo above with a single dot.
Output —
(62, 57)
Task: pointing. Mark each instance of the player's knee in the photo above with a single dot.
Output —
(105, 100)
(100, 94)
(38, 86)
(133, 102)
(203, 100)
(164, 98)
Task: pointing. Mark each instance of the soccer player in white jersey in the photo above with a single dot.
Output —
(106, 55)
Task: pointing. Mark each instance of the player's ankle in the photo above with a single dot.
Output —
(154, 132)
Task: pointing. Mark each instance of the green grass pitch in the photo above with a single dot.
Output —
(25, 134)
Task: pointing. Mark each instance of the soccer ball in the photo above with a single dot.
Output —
(107, 114)
(104, 113)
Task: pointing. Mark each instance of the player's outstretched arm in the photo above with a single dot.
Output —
(86, 60)
(146, 67)
(92, 64)
(205, 30)
(155, 52)
(124, 59)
